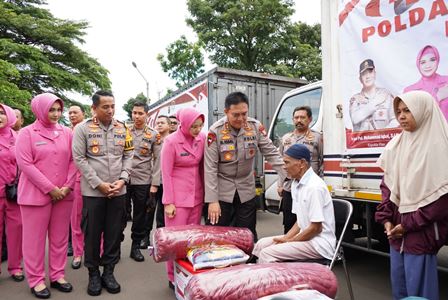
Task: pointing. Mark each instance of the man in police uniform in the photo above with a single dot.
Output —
(372, 108)
(102, 151)
(146, 150)
(229, 157)
(302, 117)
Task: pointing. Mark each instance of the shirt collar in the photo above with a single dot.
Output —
(306, 177)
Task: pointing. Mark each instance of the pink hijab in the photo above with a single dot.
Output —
(40, 105)
(187, 116)
(428, 50)
(5, 132)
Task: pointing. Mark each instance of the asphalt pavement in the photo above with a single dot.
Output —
(147, 280)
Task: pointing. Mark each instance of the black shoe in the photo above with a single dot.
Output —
(44, 294)
(94, 287)
(144, 244)
(136, 254)
(70, 249)
(76, 264)
(108, 280)
(18, 278)
(252, 260)
(171, 285)
(62, 287)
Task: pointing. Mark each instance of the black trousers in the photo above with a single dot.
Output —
(289, 218)
(158, 213)
(139, 196)
(239, 214)
(101, 215)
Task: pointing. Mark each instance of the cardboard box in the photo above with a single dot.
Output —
(183, 271)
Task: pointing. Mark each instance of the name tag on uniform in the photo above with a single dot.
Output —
(40, 143)
(227, 147)
(185, 154)
(250, 145)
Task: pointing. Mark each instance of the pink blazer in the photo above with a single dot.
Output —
(182, 170)
(8, 167)
(45, 160)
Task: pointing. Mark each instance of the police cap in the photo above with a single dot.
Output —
(365, 65)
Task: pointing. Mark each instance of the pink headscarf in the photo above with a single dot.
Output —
(187, 116)
(11, 120)
(427, 50)
(41, 104)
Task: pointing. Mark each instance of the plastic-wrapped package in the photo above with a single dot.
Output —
(171, 243)
(216, 256)
(249, 282)
(297, 295)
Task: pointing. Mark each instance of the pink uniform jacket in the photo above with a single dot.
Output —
(45, 159)
(182, 163)
(7, 156)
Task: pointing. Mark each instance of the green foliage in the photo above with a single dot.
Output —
(129, 105)
(257, 35)
(183, 62)
(39, 53)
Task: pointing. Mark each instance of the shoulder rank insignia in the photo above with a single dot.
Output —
(262, 130)
(211, 137)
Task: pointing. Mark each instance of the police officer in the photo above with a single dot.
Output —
(156, 189)
(232, 144)
(103, 151)
(146, 149)
(372, 108)
(302, 117)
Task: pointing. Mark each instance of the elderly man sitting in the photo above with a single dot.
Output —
(313, 235)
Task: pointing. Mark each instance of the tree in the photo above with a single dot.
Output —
(301, 56)
(127, 107)
(183, 62)
(257, 35)
(39, 53)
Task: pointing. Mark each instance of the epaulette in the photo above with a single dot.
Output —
(119, 124)
(218, 123)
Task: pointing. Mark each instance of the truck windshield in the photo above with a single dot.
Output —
(283, 122)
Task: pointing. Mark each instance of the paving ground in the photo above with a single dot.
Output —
(147, 280)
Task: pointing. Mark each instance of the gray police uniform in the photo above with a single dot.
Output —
(160, 209)
(313, 140)
(102, 154)
(146, 151)
(229, 169)
(366, 115)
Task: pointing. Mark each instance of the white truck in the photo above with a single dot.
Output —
(393, 36)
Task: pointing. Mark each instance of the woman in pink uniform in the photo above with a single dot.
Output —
(9, 210)
(182, 173)
(48, 176)
(428, 60)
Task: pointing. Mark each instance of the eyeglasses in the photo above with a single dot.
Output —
(173, 123)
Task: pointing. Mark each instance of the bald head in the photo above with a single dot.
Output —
(76, 114)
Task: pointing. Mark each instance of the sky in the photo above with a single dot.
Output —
(122, 32)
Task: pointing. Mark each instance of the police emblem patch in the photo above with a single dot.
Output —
(262, 130)
(211, 137)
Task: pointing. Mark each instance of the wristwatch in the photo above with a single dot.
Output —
(126, 180)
